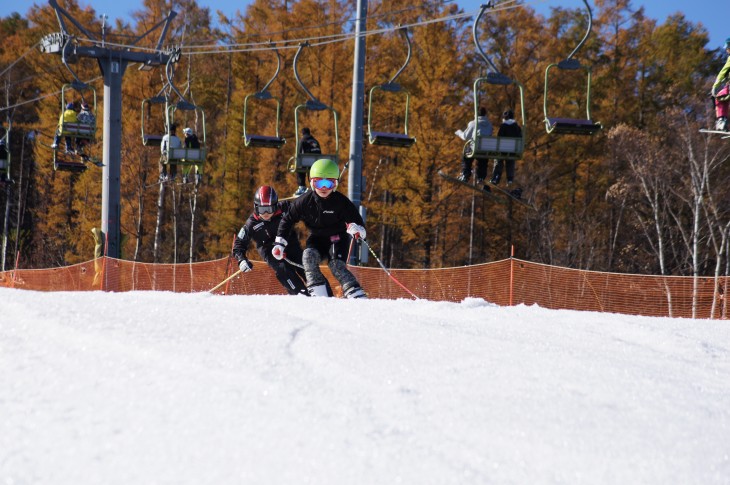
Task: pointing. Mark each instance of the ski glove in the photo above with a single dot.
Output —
(245, 265)
(278, 250)
(356, 230)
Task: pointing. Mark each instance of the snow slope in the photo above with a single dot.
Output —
(164, 388)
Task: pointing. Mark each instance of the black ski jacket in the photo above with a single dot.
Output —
(511, 130)
(323, 217)
(192, 141)
(309, 144)
(261, 232)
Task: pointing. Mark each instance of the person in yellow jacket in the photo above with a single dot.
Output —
(68, 116)
(721, 93)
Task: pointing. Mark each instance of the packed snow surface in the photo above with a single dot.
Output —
(165, 388)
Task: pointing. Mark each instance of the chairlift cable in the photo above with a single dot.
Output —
(20, 58)
(314, 41)
(42, 97)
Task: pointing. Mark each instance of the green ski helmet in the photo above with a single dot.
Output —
(324, 168)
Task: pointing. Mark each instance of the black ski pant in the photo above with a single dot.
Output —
(497, 172)
(291, 277)
(335, 249)
(482, 164)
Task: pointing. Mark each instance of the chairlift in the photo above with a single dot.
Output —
(399, 140)
(185, 157)
(86, 131)
(263, 141)
(572, 126)
(301, 162)
(500, 147)
(71, 160)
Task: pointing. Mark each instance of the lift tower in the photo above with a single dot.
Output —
(113, 62)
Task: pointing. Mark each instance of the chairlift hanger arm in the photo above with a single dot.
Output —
(64, 50)
(170, 71)
(313, 103)
(588, 32)
(404, 32)
(263, 93)
(475, 35)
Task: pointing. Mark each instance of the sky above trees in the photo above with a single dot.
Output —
(703, 11)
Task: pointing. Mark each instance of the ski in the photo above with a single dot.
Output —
(488, 195)
(507, 193)
(725, 134)
(485, 194)
(70, 157)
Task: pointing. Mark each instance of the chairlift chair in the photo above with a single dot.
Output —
(398, 140)
(256, 140)
(492, 146)
(301, 162)
(187, 158)
(573, 126)
(77, 130)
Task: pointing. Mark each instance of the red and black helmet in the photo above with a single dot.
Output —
(265, 200)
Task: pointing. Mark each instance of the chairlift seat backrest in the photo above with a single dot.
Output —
(182, 155)
(500, 147)
(79, 130)
(305, 160)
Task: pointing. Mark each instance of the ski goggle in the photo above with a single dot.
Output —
(321, 184)
(267, 209)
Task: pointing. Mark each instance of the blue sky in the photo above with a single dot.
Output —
(714, 18)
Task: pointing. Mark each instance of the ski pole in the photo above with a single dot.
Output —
(293, 263)
(224, 281)
(349, 252)
(386, 270)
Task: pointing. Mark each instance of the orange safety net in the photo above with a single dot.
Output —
(506, 282)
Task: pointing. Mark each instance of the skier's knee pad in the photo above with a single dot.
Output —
(340, 271)
(311, 259)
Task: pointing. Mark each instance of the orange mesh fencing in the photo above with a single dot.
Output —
(506, 282)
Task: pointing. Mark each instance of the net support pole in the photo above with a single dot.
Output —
(228, 265)
(511, 275)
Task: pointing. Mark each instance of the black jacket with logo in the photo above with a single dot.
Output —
(309, 144)
(323, 217)
(261, 232)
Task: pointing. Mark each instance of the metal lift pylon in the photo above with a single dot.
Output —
(113, 63)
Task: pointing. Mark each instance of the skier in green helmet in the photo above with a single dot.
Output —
(331, 219)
